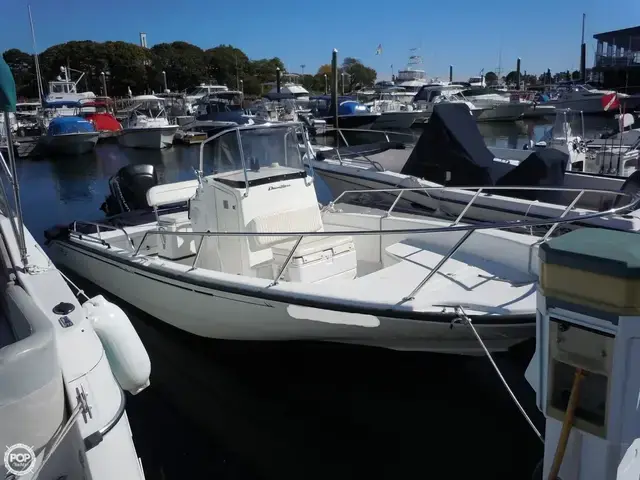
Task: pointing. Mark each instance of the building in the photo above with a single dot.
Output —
(143, 40)
(617, 62)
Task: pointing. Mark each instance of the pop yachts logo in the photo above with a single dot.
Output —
(19, 459)
(277, 187)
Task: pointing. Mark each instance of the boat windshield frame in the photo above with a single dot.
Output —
(250, 153)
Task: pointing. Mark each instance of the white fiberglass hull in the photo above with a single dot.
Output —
(450, 202)
(502, 112)
(85, 368)
(71, 143)
(152, 138)
(224, 312)
(397, 120)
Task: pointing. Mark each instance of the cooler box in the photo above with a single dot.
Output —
(175, 247)
(317, 259)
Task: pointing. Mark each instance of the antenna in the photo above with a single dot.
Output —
(35, 57)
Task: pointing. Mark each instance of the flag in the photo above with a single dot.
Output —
(379, 50)
(610, 101)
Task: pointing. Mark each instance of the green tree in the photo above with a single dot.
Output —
(184, 64)
(226, 64)
(359, 75)
(23, 68)
(491, 78)
(511, 78)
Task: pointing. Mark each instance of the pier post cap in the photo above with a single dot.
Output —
(335, 50)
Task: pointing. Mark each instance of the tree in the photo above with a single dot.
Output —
(358, 74)
(326, 68)
(226, 64)
(575, 75)
(511, 78)
(23, 68)
(183, 63)
(491, 78)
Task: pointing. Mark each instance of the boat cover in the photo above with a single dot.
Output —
(65, 125)
(452, 152)
(451, 142)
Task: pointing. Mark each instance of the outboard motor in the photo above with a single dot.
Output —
(129, 189)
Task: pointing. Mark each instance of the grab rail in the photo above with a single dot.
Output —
(482, 189)
(98, 225)
(455, 227)
(634, 201)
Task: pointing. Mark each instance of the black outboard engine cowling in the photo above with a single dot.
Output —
(129, 189)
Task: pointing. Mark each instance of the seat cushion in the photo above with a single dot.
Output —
(173, 218)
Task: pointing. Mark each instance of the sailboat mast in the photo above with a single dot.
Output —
(35, 57)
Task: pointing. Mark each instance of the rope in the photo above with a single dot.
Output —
(567, 425)
(465, 320)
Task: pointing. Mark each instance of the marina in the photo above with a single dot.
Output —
(218, 266)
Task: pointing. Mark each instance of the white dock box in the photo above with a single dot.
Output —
(317, 259)
(175, 247)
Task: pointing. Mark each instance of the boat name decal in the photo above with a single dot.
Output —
(284, 185)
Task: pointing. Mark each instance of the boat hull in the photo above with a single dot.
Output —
(155, 138)
(502, 112)
(397, 120)
(216, 311)
(70, 143)
(539, 111)
(484, 208)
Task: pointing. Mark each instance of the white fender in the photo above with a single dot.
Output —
(127, 356)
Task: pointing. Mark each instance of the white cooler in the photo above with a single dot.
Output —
(176, 247)
(317, 259)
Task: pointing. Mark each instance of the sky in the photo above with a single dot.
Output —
(468, 34)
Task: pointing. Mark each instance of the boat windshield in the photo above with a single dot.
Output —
(269, 153)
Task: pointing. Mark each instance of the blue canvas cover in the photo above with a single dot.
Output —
(65, 125)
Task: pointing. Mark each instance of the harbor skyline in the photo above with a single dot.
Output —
(551, 41)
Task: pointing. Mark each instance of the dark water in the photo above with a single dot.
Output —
(238, 410)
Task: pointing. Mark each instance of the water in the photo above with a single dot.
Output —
(238, 410)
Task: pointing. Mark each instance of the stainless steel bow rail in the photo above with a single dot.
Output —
(634, 200)
(483, 190)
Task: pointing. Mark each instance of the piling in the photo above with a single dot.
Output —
(451, 73)
(334, 92)
(518, 73)
(278, 79)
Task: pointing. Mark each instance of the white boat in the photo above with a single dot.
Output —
(395, 114)
(254, 257)
(496, 105)
(433, 94)
(584, 98)
(200, 92)
(63, 93)
(452, 152)
(147, 125)
(62, 406)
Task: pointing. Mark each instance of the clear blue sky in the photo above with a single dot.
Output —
(465, 33)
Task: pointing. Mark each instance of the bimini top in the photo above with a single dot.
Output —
(66, 125)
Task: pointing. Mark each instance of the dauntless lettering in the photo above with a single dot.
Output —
(284, 185)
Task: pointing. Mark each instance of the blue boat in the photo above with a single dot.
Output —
(70, 136)
(351, 113)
